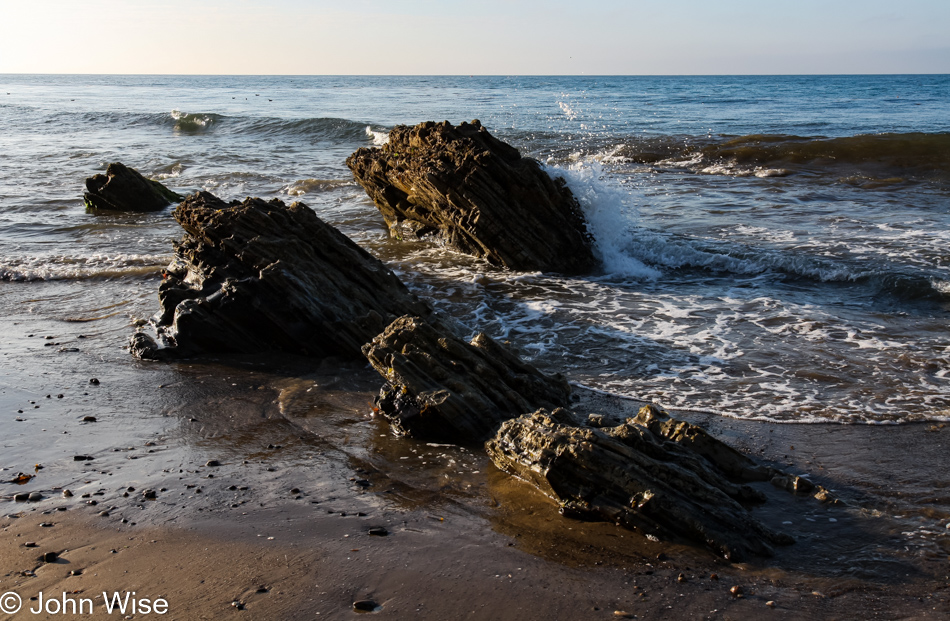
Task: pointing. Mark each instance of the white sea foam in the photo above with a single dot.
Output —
(379, 138)
(610, 216)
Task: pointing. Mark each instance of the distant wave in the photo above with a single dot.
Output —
(872, 159)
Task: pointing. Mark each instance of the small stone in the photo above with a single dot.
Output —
(213, 463)
(378, 531)
(149, 494)
(238, 605)
(82, 457)
(365, 605)
(94, 381)
(49, 557)
(76, 572)
(736, 591)
(60, 396)
(92, 502)
(88, 419)
(103, 514)
(770, 604)
(623, 614)
(21, 497)
(295, 490)
(30, 544)
(714, 576)
(35, 497)
(681, 578)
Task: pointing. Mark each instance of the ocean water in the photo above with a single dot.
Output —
(774, 248)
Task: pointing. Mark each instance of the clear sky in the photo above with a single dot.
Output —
(475, 37)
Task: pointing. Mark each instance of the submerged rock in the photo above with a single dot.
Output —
(124, 189)
(635, 478)
(442, 388)
(259, 275)
(477, 194)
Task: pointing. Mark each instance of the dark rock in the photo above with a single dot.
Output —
(263, 276)
(35, 497)
(378, 531)
(442, 388)
(124, 189)
(49, 557)
(30, 544)
(477, 194)
(150, 494)
(634, 478)
(21, 497)
(89, 419)
(94, 381)
(213, 463)
(82, 458)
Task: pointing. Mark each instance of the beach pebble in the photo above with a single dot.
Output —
(149, 494)
(82, 457)
(88, 419)
(681, 578)
(21, 497)
(378, 531)
(49, 557)
(94, 381)
(30, 544)
(365, 605)
(736, 591)
(238, 605)
(213, 463)
(624, 614)
(770, 604)
(35, 496)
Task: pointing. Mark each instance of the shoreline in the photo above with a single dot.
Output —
(457, 526)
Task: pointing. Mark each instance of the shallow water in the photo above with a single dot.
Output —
(773, 247)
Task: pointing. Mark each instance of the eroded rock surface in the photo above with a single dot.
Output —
(477, 194)
(634, 477)
(124, 189)
(442, 388)
(259, 275)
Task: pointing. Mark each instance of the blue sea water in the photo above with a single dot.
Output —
(773, 247)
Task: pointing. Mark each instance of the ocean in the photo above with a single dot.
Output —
(773, 248)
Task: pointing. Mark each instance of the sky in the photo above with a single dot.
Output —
(491, 37)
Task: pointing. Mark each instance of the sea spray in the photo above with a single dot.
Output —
(611, 218)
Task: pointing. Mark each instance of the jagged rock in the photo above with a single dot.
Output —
(477, 194)
(259, 276)
(124, 189)
(633, 477)
(442, 388)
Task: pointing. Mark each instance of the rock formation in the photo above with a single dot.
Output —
(635, 478)
(477, 194)
(124, 189)
(258, 276)
(442, 388)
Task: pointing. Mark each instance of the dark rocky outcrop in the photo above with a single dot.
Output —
(636, 478)
(124, 189)
(477, 194)
(442, 388)
(259, 275)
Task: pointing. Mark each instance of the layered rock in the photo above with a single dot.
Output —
(442, 388)
(635, 478)
(477, 194)
(124, 189)
(259, 275)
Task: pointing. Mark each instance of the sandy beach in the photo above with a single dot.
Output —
(269, 475)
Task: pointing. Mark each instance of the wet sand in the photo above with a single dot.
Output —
(281, 524)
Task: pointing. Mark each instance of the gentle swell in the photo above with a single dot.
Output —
(879, 155)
